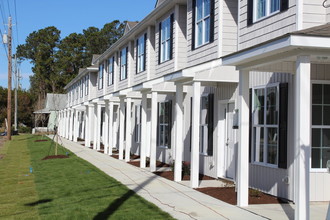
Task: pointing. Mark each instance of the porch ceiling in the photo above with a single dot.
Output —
(280, 55)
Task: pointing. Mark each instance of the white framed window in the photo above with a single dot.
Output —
(81, 88)
(204, 125)
(164, 120)
(123, 63)
(320, 125)
(265, 8)
(202, 22)
(86, 84)
(265, 128)
(165, 39)
(111, 65)
(100, 78)
(138, 112)
(141, 54)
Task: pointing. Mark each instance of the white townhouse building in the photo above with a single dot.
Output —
(239, 89)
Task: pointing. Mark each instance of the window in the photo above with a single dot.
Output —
(111, 65)
(203, 22)
(138, 111)
(164, 124)
(100, 81)
(141, 54)
(165, 41)
(206, 125)
(81, 88)
(86, 84)
(123, 63)
(320, 125)
(77, 90)
(265, 118)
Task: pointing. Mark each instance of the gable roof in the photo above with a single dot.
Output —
(129, 26)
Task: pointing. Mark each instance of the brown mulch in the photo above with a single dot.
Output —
(55, 157)
(158, 164)
(134, 157)
(116, 156)
(41, 140)
(228, 195)
(170, 176)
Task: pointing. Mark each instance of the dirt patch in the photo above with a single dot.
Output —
(2, 156)
(170, 176)
(55, 157)
(42, 140)
(228, 195)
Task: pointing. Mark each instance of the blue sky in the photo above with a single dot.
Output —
(66, 15)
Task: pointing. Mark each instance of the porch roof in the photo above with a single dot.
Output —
(313, 41)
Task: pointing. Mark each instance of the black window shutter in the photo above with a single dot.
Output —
(283, 126)
(250, 12)
(159, 41)
(212, 21)
(145, 52)
(120, 65)
(126, 63)
(210, 127)
(193, 24)
(113, 68)
(171, 35)
(137, 56)
(169, 110)
(284, 5)
(250, 125)
(158, 115)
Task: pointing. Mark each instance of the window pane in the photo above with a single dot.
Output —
(261, 8)
(325, 137)
(161, 135)
(326, 94)
(199, 9)
(274, 5)
(317, 94)
(166, 133)
(207, 8)
(325, 157)
(258, 110)
(326, 115)
(316, 137)
(258, 137)
(316, 115)
(199, 33)
(207, 30)
(272, 108)
(272, 146)
(316, 157)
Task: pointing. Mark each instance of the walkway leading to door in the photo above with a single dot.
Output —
(180, 201)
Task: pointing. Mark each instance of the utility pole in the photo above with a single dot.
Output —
(16, 88)
(9, 80)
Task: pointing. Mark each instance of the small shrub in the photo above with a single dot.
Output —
(24, 130)
(255, 193)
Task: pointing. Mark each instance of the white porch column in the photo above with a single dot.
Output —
(87, 127)
(71, 125)
(143, 145)
(76, 125)
(179, 132)
(121, 128)
(111, 130)
(153, 138)
(96, 134)
(302, 134)
(99, 124)
(106, 127)
(243, 140)
(128, 129)
(194, 167)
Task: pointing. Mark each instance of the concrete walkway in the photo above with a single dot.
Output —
(177, 199)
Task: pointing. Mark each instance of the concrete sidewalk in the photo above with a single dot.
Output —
(177, 199)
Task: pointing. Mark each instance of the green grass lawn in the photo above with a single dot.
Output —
(68, 188)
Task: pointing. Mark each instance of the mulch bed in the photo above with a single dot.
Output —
(55, 157)
(170, 176)
(228, 195)
(116, 156)
(134, 157)
(42, 140)
(158, 164)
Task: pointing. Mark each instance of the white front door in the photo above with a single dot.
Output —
(230, 141)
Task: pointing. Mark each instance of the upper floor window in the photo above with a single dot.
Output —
(141, 53)
(123, 63)
(203, 22)
(86, 84)
(260, 9)
(111, 65)
(100, 79)
(165, 39)
(81, 88)
(77, 91)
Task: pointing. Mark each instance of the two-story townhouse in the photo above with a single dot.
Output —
(283, 94)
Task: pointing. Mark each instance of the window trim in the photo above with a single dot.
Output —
(138, 123)
(265, 156)
(111, 73)
(325, 82)
(167, 43)
(100, 76)
(202, 20)
(267, 13)
(141, 44)
(168, 125)
(123, 66)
